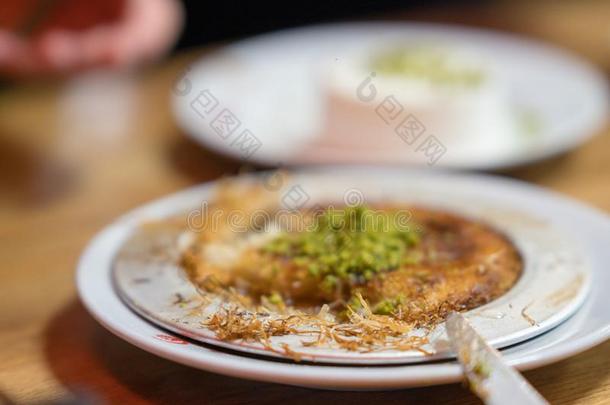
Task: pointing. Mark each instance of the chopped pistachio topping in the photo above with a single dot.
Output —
(482, 369)
(425, 64)
(274, 299)
(388, 306)
(353, 243)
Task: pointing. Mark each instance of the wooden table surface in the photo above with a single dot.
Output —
(62, 180)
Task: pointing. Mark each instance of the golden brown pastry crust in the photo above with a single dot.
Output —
(460, 264)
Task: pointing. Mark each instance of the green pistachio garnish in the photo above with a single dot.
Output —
(354, 243)
(275, 298)
(482, 369)
(329, 283)
(426, 64)
(388, 306)
(354, 303)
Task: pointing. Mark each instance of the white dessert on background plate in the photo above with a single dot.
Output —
(392, 99)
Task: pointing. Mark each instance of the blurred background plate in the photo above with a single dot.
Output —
(273, 86)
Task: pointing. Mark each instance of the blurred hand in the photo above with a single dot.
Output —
(63, 36)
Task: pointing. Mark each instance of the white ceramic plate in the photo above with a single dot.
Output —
(589, 326)
(553, 285)
(271, 84)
